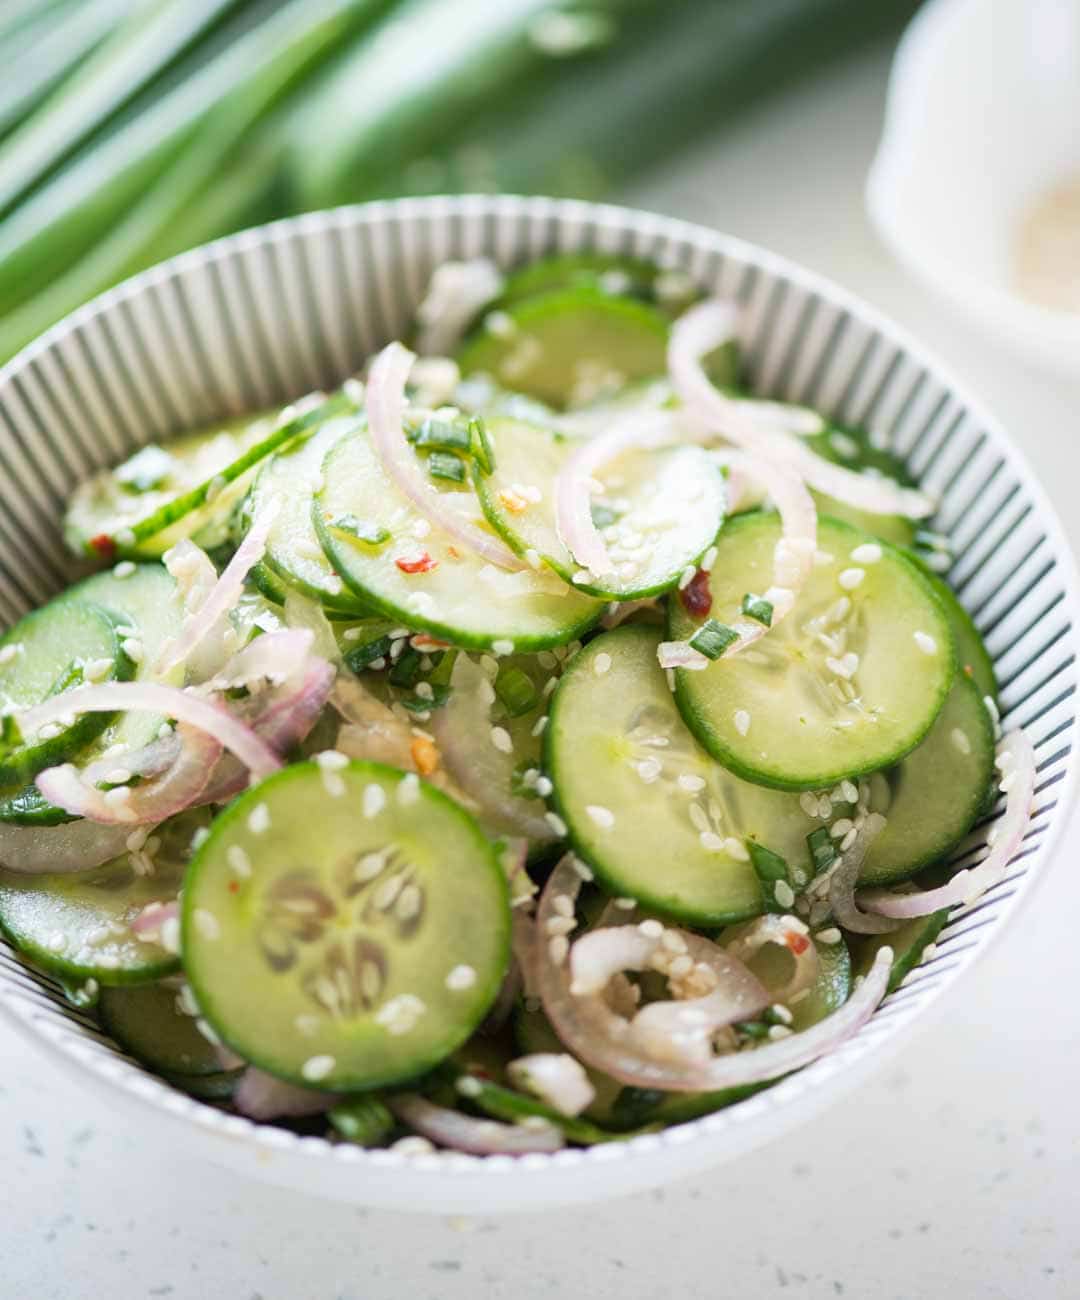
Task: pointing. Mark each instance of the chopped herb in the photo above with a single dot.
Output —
(71, 677)
(822, 850)
(445, 465)
(519, 785)
(602, 516)
(442, 667)
(481, 446)
(425, 703)
(770, 868)
(407, 669)
(364, 655)
(363, 1120)
(364, 530)
(516, 690)
(148, 469)
(713, 638)
(752, 1029)
(10, 735)
(757, 608)
(442, 435)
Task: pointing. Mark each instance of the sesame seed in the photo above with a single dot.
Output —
(581, 870)
(925, 642)
(785, 895)
(10, 651)
(808, 803)
(238, 860)
(840, 827)
(649, 769)
(777, 1032)
(581, 577)
(651, 929)
(711, 842)
(374, 800)
(503, 647)
(331, 760)
(829, 936)
(556, 823)
(626, 904)
(603, 817)
(848, 840)
(742, 721)
(258, 821)
(137, 839)
(133, 648)
(206, 923)
(468, 1085)
(118, 776)
(400, 1014)
(849, 579)
(781, 1013)
(686, 577)
(500, 738)
(408, 790)
(867, 553)
(709, 559)
(413, 1145)
(736, 849)
(960, 740)
(424, 691)
(94, 671)
(544, 786)
(539, 725)
(170, 934)
(849, 792)
(601, 664)
(317, 1067)
(685, 780)
(558, 949)
(124, 569)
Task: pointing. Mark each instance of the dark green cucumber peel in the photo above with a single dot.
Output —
(909, 944)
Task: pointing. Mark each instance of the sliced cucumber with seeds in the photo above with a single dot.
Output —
(909, 945)
(932, 799)
(656, 818)
(49, 651)
(78, 925)
(848, 683)
(196, 482)
(293, 553)
(972, 657)
(420, 578)
(368, 943)
(660, 512)
(568, 346)
(149, 1023)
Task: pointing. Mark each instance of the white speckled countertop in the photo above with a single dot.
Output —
(954, 1175)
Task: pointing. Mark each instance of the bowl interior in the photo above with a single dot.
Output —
(271, 313)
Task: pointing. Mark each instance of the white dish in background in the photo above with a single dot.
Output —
(270, 313)
(983, 117)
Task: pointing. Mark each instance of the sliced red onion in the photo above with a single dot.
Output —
(149, 922)
(602, 954)
(74, 846)
(573, 507)
(789, 933)
(260, 1096)
(481, 1137)
(212, 612)
(304, 614)
(169, 701)
(1016, 762)
(844, 876)
(455, 293)
(386, 409)
(681, 654)
(600, 1038)
(705, 327)
(178, 787)
(555, 1078)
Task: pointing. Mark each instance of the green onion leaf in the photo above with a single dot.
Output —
(516, 690)
(483, 451)
(770, 869)
(445, 465)
(364, 655)
(822, 850)
(713, 638)
(757, 608)
(363, 1120)
(407, 669)
(442, 435)
(442, 667)
(425, 703)
(364, 530)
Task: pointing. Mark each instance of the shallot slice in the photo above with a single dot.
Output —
(482, 1137)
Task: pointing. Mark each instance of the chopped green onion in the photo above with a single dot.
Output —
(752, 1029)
(407, 669)
(770, 868)
(822, 850)
(10, 735)
(442, 667)
(445, 465)
(516, 690)
(364, 1120)
(480, 443)
(364, 655)
(713, 638)
(602, 516)
(147, 469)
(519, 785)
(364, 530)
(425, 703)
(442, 435)
(757, 608)
(71, 677)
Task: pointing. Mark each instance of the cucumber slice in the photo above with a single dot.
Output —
(47, 652)
(568, 346)
(909, 944)
(370, 941)
(932, 799)
(661, 510)
(78, 925)
(146, 606)
(293, 554)
(972, 657)
(463, 598)
(149, 1024)
(618, 277)
(778, 713)
(188, 489)
(773, 965)
(853, 449)
(654, 816)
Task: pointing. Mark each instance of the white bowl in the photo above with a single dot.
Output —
(270, 313)
(982, 118)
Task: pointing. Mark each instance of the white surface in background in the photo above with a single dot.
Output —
(957, 1174)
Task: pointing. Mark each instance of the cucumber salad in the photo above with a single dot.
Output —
(539, 740)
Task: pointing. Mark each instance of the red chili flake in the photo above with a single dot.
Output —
(798, 943)
(422, 564)
(104, 545)
(234, 886)
(696, 596)
(421, 641)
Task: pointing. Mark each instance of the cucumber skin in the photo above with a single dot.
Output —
(60, 968)
(691, 715)
(906, 961)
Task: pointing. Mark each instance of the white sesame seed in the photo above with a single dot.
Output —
(580, 869)
(502, 741)
(736, 849)
(651, 929)
(94, 671)
(848, 840)
(849, 792)
(867, 553)
(539, 725)
(170, 934)
(258, 821)
(331, 760)
(829, 936)
(601, 664)
(206, 923)
(603, 817)
(238, 860)
(960, 740)
(559, 925)
(686, 577)
(581, 577)
(317, 1067)
(558, 948)
(408, 790)
(849, 579)
(374, 800)
(424, 691)
(544, 786)
(785, 895)
(709, 559)
(742, 721)
(626, 904)
(685, 780)
(777, 1032)
(413, 1145)
(781, 1013)
(711, 842)
(840, 827)
(137, 839)
(118, 776)
(556, 823)
(468, 1085)
(503, 647)
(400, 1014)
(808, 803)
(10, 651)
(925, 642)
